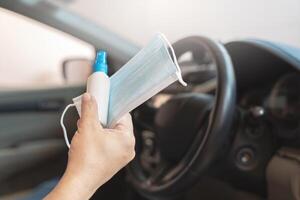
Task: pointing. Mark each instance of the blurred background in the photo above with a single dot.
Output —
(42, 50)
(43, 68)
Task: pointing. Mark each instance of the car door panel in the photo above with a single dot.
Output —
(30, 131)
(28, 154)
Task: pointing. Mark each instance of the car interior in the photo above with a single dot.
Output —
(233, 133)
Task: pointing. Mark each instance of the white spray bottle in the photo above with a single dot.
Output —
(98, 85)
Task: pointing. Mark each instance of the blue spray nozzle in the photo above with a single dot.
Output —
(100, 64)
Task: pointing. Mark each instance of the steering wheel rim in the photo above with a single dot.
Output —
(217, 133)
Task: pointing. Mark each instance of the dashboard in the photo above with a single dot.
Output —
(284, 99)
(280, 101)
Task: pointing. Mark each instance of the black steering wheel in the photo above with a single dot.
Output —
(192, 129)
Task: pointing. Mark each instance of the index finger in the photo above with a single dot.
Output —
(125, 123)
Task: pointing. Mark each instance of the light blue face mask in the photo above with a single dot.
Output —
(151, 70)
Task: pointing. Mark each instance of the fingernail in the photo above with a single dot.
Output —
(86, 97)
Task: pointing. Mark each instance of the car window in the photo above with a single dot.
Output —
(32, 54)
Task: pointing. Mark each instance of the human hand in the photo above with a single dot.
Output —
(96, 153)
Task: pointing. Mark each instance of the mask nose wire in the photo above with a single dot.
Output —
(63, 126)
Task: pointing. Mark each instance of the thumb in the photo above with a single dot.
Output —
(89, 109)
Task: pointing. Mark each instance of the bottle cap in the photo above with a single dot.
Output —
(100, 64)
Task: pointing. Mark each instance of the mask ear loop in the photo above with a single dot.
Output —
(180, 79)
(63, 126)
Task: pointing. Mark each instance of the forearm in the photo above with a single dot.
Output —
(71, 187)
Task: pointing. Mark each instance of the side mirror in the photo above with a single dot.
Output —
(76, 71)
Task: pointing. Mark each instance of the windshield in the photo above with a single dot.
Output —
(139, 20)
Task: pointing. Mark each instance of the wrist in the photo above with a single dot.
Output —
(80, 184)
(72, 187)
